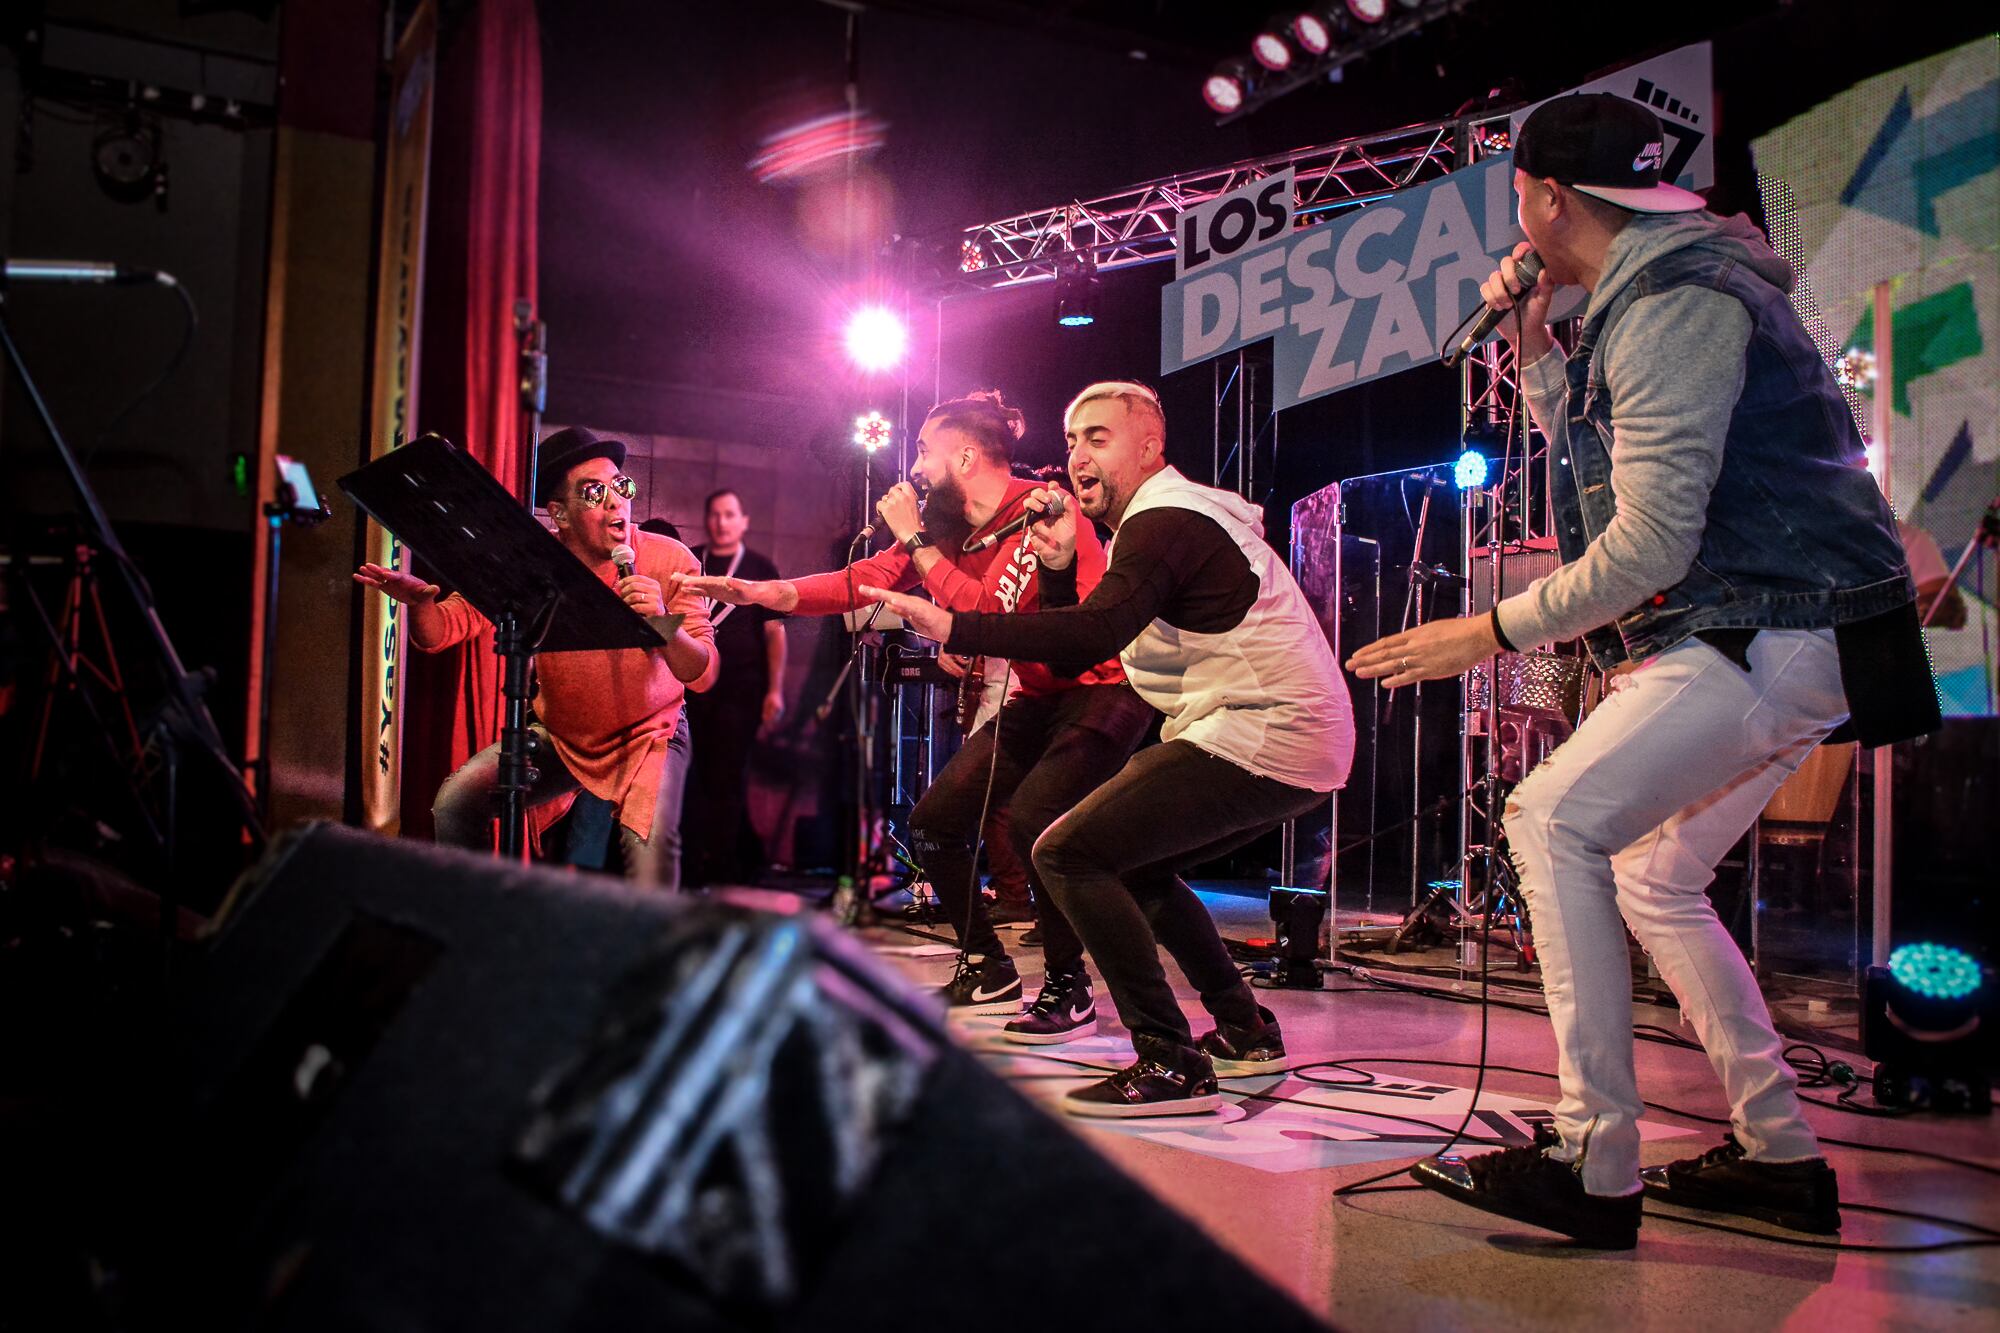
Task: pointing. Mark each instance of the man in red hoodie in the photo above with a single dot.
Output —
(1056, 738)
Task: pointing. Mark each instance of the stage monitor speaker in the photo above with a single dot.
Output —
(430, 1091)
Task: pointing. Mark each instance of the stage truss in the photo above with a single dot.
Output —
(1136, 225)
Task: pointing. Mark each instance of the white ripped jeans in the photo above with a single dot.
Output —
(1622, 826)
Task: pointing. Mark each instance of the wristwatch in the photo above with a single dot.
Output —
(914, 540)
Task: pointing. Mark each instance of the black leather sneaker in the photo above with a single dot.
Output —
(1161, 1082)
(1800, 1196)
(1529, 1186)
(987, 985)
(1241, 1052)
(1064, 1011)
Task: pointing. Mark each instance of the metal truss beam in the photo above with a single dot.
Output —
(1136, 225)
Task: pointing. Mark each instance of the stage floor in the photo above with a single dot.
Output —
(1259, 1176)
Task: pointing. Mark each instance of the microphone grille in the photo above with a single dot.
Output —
(1529, 266)
(624, 555)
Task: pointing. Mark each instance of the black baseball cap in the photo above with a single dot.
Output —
(1605, 146)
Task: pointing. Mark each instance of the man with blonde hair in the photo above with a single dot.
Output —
(1212, 631)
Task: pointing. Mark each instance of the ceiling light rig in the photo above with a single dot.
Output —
(1076, 292)
(1300, 47)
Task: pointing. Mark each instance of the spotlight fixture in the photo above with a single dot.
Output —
(872, 431)
(1312, 31)
(875, 339)
(1271, 49)
(1470, 471)
(1923, 1023)
(1369, 11)
(1226, 89)
(971, 256)
(1297, 913)
(1076, 292)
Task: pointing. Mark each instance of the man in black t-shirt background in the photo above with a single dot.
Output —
(747, 700)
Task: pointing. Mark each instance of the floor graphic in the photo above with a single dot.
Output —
(1325, 1126)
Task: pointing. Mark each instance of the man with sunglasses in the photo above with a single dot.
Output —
(605, 719)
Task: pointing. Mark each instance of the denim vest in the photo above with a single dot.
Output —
(1797, 535)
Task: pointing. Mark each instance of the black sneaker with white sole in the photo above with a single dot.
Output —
(1163, 1081)
(1064, 1011)
(1801, 1196)
(987, 985)
(1529, 1186)
(1242, 1052)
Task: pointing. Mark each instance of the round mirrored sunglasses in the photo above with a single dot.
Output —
(592, 492)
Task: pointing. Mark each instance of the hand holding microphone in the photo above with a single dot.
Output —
(1049, 516)
(642, 594)
(1517, 283)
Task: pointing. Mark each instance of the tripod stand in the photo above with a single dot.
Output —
(72, 668)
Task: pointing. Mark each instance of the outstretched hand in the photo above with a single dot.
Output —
(1428, 652)
(926, 618)
(405, 588)
(774, 594)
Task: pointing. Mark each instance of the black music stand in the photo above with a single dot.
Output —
(479, 539)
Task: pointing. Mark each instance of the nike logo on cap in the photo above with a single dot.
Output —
(1649, 156)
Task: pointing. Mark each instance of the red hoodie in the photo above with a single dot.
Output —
(1000, 578)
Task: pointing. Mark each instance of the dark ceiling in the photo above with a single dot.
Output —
(683, 296)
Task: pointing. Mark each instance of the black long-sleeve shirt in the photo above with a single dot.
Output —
(1169, 564)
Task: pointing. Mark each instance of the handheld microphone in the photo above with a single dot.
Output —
(1529, 268)
(622, 559)
(83, 270)
(1026, 517)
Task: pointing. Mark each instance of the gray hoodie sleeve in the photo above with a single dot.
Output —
(1675, 364)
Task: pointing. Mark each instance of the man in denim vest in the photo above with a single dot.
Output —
(1722, 541)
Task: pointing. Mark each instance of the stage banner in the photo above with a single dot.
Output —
(1378, 289)
(398, 308)
(1372, 292)
(1897, 180)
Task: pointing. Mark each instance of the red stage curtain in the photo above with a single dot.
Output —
(486, 172)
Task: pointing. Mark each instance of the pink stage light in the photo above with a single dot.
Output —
(876, 339)
(1272, 51)
(1312, 33)
(1226, 89)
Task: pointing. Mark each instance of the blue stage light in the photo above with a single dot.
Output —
(1471, 470)
(1935, 971)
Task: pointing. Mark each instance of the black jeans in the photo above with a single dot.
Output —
(1113, 864)
(721, 844)
(1052, 751)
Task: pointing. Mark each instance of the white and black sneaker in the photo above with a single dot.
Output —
(1064, 1011)
(1243, 1052)
(1162, 1081)
(986, 985)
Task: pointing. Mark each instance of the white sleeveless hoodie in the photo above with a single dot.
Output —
(1267, 695)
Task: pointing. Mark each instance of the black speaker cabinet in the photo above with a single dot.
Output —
(428, 1091)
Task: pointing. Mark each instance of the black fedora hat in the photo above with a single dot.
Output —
(564, 450)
